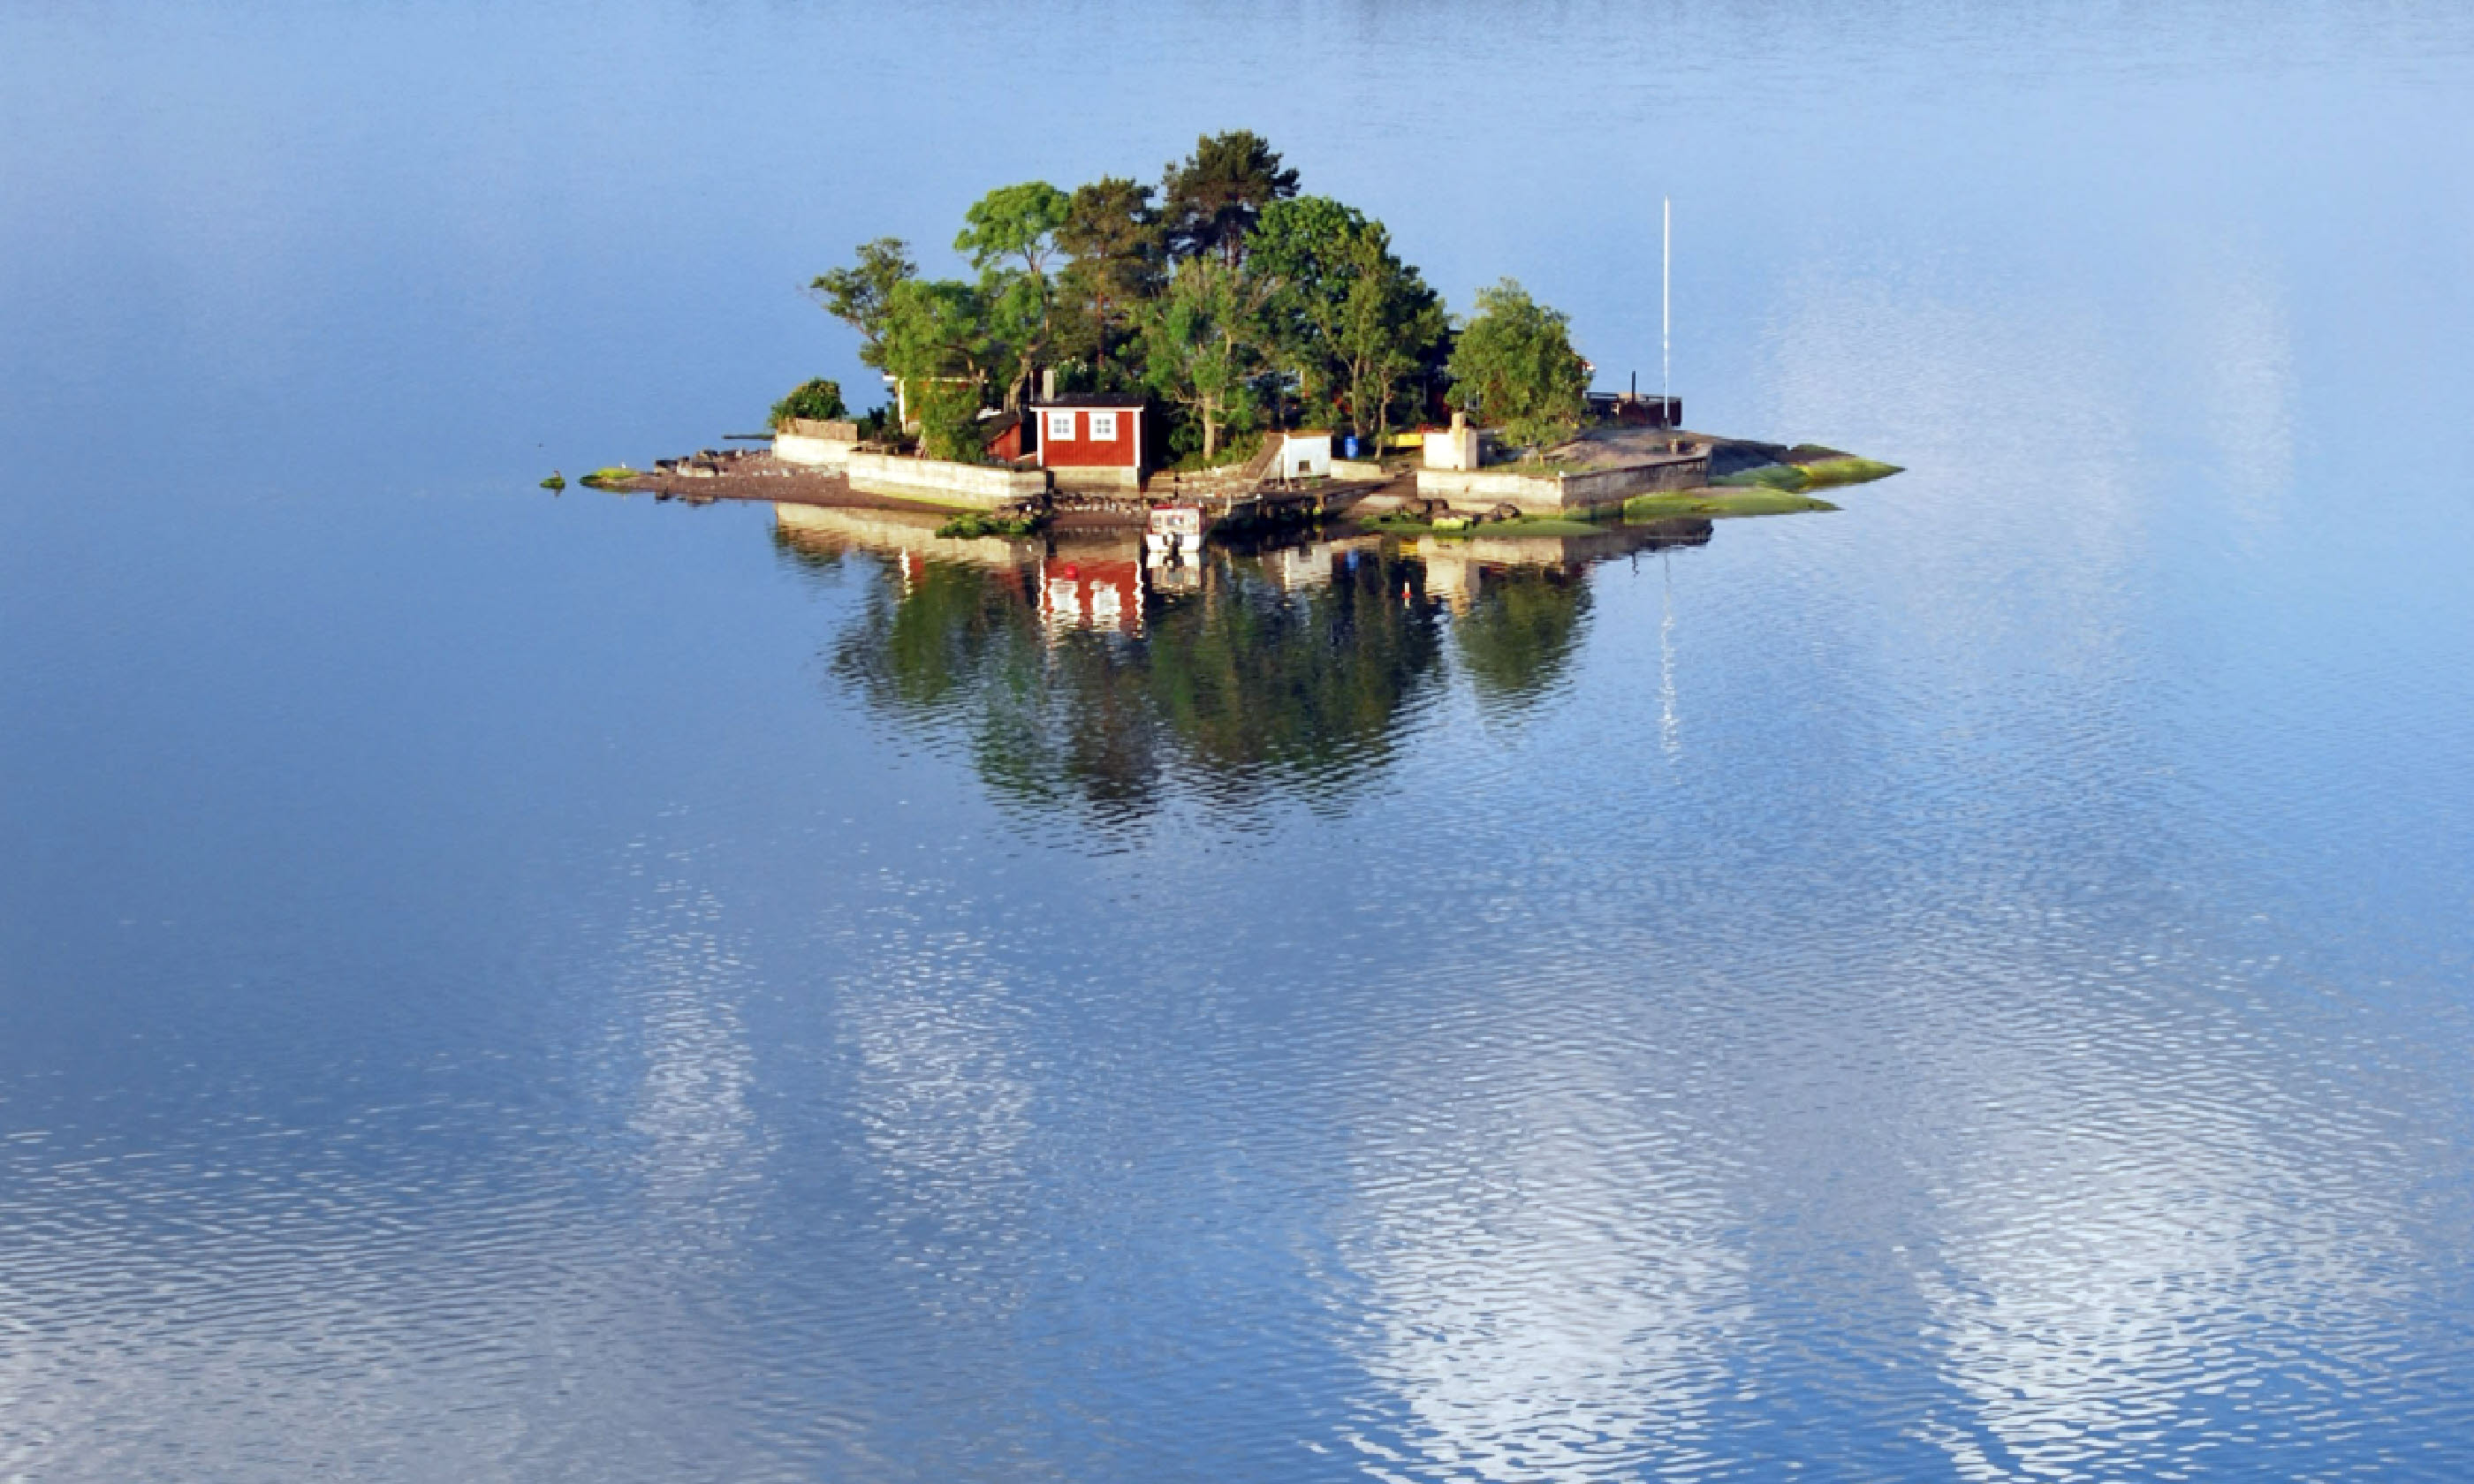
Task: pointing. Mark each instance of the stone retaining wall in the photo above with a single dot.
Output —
(969, 486)
(813, 452)
(1561, 494)
(1097, 476)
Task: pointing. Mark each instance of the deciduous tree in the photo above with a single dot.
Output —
(861, 296)
(1301, 249)
(1010, 235)
(1199, 344)
(1515, 363)
(1387, 320)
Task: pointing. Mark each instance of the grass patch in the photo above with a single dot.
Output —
(1768, 476)
(1839, 469)
(1848, 470)
(610, 478)
(1739, 500)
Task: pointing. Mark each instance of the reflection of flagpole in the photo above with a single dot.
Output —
(1670, 732)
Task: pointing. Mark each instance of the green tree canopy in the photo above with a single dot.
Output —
(1301, 248)
(861, 296)
(1386, 322)
(1515, 364)
(819, 400)
(1013, 222)
(1113, 233)
(1344, 316)
(1201, 342)
(1212, 200)
(948, 419)
(1010, 235)
(937, 331)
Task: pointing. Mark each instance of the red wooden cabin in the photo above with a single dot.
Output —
(1091, 442)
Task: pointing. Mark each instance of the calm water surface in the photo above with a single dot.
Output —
(1973, 987)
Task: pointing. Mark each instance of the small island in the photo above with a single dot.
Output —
(1219, 351)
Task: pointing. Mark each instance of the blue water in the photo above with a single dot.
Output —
(503, 986)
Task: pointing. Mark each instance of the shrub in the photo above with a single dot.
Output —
(819, 400)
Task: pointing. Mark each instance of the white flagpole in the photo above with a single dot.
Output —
(1666, 303)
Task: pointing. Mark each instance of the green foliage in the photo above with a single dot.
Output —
(948, 421)
(1387, 321)
(819, 400)
(555, 482)
(1200, 344)
(1114, 237)
(1225, 286)
(611, 477)
(1515, 363)
(1234, 448)
(1348, 319)
(937, 327)
(861, 296)
(1212, 201)
(1013, 222)
(1303, 248)
(1010, 236)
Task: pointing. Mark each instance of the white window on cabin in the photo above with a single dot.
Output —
(1060, 426)
(1103, 427)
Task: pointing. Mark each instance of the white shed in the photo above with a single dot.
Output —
(1305, 456)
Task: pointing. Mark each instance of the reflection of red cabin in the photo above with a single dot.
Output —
(1092, 595)
(1090, 439)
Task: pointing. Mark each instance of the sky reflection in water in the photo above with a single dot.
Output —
(1969, 987)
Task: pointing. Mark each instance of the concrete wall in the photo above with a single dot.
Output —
(1356, 468)
(970, 486)
(1088, 476)
(813, 452)
(1614, 486)
(1556, 494)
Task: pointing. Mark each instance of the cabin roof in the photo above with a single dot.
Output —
(1086, 399)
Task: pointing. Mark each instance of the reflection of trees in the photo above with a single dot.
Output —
(1518, 637)
(1239, 688)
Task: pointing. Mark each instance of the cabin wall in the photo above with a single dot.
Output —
(1084, 451)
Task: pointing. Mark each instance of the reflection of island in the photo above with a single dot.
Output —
(1074, 669)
